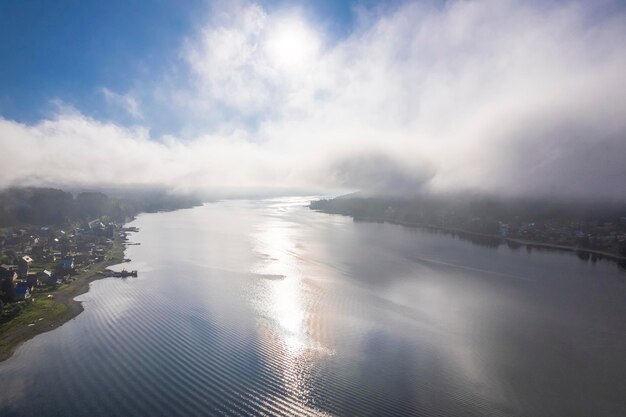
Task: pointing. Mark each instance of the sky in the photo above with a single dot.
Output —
(497, 96)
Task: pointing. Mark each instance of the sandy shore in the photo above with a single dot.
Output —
(45, 314)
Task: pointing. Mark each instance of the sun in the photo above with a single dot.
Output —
(291, 45)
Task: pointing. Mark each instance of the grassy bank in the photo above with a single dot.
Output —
(47, 313)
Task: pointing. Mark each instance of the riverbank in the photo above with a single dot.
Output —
(497, 238)
(554, 246)
(46, 313)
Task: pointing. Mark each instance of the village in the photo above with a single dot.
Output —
(590, 232)
(37, 261)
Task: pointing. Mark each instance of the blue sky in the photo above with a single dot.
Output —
(505, 96)
(69, 49)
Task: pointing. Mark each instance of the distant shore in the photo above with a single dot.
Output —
(522, 242)
(44, 314)
(555, 246)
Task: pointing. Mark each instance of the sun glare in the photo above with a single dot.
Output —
(291, 45)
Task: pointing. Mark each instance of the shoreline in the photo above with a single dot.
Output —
(56, 311)
(522, 242)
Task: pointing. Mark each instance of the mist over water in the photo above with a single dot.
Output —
(269, 308)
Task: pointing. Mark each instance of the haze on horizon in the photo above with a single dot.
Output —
(507, 97)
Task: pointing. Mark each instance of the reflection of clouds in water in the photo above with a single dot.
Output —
(442, 308)
(116, 307)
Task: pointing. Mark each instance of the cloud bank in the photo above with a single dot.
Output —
(498, 96)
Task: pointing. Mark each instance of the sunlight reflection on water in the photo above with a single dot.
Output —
(284, 299)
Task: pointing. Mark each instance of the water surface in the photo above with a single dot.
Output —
(268, 308)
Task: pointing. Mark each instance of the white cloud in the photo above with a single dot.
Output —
(501, 96)
(74, 149)
(253, 61)
(126, 102)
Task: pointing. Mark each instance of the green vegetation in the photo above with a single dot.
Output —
(49, 206)
(34, 310)
(37, 315)
(590, 227)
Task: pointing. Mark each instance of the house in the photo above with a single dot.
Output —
(31, 281)
(97, 228)
(41, 278)
(504, 229)
(23, 265)
(4, 268)
(8, 276)
(45, 277)
(21, 292)
(67, 264)
(45, 274)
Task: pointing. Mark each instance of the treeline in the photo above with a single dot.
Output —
(49, 206)
(471, 212)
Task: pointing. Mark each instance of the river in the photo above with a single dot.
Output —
(269, 308)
